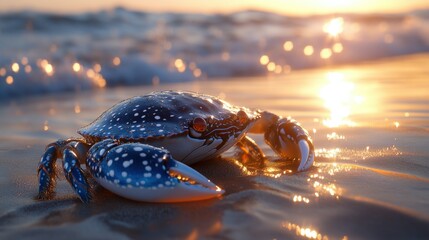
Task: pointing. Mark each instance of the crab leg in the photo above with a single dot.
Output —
(46, 172)
(75, 176)
(248, 146)
(144, 173)
(72, 150)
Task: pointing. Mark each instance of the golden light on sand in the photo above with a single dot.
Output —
(288, 46)
(339, 98)
(76, 67)
(264, 60)
(337, 48)
(9, 80)
(308, 50)
(334, 27)
(15, 67)
(116, 61)
(325, 53)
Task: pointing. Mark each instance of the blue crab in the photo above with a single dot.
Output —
(141, 148)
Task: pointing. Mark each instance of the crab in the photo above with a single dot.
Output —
(140, 148)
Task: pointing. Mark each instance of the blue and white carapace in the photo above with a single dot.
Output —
(141, 148)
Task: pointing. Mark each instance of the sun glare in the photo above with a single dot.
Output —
(334, 27)
(339, 98)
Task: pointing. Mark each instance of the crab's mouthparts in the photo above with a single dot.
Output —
(228, 131)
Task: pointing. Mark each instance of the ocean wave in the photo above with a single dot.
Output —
(46, 52)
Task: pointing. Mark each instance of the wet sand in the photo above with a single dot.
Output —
(370, 124)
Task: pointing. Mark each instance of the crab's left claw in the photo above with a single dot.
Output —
(191, 185)
(145, 173)
(288, 139)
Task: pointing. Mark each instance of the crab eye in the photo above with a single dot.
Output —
(242, 117)
(199, 124)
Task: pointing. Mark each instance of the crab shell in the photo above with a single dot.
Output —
(164, 119)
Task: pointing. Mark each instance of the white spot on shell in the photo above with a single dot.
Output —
(138, 149)
(157, 117)
(148, 168)
(158, 175)
(102, 151)
(109, 163)
(127, 163)
(124, 174)
(119, 150)
(112, 173)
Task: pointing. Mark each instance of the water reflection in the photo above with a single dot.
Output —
(340, 99)
(306, 232)
(334, 27)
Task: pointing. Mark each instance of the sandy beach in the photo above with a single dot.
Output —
(369, 122)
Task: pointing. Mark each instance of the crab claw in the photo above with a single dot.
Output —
(289, 140)
(145, 173)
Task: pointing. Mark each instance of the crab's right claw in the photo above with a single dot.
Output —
(145, 173)
(289, 140)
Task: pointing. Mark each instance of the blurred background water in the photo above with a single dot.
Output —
(56, 52)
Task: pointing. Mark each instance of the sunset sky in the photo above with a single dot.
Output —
(296, 7)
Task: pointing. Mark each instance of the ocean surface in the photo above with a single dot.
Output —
(47, 53)
(358, 83)
(369, 122)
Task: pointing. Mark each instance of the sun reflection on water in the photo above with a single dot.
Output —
(306, 232)
(339, 98)
(334, 27)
